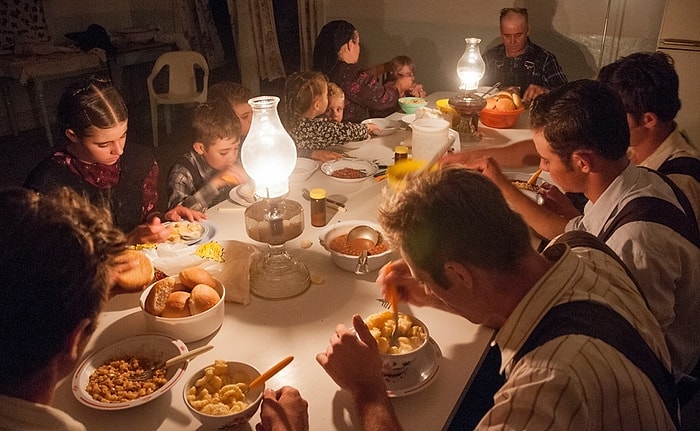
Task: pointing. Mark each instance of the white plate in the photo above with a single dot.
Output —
(303, 170)
(242, 194)
(387, 126)
(352, 145)
(367, 167)
(418, 375)
(408, 118)
(520, 176)
(202, 227)
(154, 347)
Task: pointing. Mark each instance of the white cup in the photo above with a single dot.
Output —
(428, 137)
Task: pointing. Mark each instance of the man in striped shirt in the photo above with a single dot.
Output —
(480, 265)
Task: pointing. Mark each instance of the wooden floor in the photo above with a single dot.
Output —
(19, 154)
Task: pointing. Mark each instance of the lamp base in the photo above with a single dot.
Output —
(277, 275)
(468, 105)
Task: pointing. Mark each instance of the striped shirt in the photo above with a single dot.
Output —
(576, 382)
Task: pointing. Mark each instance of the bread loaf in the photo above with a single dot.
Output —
(203, 298)
(177, 305)
(157, 297)
(195, 275)
(139, 275)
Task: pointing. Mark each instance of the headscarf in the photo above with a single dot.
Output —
(333, 35)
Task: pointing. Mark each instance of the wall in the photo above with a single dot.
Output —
(433, 33)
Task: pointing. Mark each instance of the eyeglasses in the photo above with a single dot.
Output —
(518, 10)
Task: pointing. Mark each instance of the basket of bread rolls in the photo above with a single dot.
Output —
(502, 110)
(188, 306)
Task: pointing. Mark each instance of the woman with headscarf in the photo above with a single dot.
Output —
(336, 54)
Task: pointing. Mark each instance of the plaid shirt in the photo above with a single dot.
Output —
(536, 66)
(188, 184)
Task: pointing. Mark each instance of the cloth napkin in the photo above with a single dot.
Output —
(233, 272)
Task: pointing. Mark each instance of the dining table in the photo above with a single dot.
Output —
(265, 331)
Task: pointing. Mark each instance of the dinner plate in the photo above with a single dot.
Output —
(154, 347)
(242, 194)
(521, 176)
(187, 232)
(386, 126)
(418, 375)
(366, 167)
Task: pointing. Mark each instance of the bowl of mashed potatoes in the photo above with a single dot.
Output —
(413, 338)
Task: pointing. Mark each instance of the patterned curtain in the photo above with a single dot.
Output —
(267, 49)
(310, 22)
(22, 20)
(197, 26)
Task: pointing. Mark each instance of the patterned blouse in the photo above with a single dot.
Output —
(318, 134)
(365, 94)
(536, 66)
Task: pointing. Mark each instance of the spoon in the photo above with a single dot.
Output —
(262, 378)
(533, 179)
(364, 238)
(485, 95)
(147, 374)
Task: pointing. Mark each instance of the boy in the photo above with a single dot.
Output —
(336, 103)
(237, 96)
(204, 176)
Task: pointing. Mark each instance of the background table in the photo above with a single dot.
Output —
(265, 331)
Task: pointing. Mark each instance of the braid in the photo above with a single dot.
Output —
(299, 93)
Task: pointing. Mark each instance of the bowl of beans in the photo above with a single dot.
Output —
(109, 378)
(349, 169)
(219, 397)
(334, 239)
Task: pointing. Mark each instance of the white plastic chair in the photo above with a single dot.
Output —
(182, 84)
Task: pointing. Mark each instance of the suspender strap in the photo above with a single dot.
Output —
(681, 198)
(682, 165)
(655, 210)
(598, 321)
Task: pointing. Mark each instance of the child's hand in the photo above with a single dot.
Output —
(417, 91)
(234, 175)
(148, 233)
(371, 128)
(324, 155)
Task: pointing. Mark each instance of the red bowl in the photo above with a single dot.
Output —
(499, 119)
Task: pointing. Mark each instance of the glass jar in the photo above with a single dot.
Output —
(318, 207)
(400, 153)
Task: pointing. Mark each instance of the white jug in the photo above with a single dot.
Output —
(429, 136)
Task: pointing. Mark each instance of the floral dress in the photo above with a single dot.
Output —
(311, 134)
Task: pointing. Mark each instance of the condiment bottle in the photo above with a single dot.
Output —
(318, 207)
(400, 153)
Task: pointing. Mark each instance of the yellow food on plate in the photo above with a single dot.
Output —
(185, 231)
(381, 325)
(217, 392)
(211, 250)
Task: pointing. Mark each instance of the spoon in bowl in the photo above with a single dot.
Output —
(262, 378)
(148, 373)
(364, 238)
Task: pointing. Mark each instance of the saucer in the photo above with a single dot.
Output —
(418, 375)
(242, 195)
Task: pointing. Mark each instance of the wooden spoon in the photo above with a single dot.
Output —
(262, 378)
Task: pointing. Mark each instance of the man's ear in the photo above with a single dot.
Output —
(583, 161)
(77, 339)
(457, 274)
(72, 136)
(649, 120)
(198, 147)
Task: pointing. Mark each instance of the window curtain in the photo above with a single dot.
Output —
(197, 25)
(310, 22)
(267, 50)
(22, 21)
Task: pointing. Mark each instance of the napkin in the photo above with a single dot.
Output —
(233, 272)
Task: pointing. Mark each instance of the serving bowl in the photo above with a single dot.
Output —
(499, 119)
(386, 126)
(237, 372)
(413, 339)
(448, 111)
(190, 328)
(303, 170)
(154, 348)
(410, 104)
(348, 262)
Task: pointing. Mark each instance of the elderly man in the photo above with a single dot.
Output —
(519, 62)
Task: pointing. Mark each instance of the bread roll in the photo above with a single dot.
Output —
(157, 297)
(203, 298)
(137, 277)
(177, 305)
(195, 275)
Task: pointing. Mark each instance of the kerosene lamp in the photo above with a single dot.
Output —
(470, 69)
(268, 155)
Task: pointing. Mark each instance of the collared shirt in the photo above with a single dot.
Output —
(535, 66)
(577, 382)
(664, 263)
(674, 146)
(191, 188)
(319, 133)
(20, 415)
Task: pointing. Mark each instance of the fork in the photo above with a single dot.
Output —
(148, 374)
